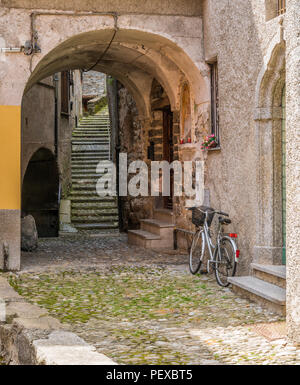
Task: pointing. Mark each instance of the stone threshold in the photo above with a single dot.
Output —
(29, 336)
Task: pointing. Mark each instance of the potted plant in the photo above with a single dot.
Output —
(209, 141)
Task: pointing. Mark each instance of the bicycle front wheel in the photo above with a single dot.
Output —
(197, 251)
(225, 261)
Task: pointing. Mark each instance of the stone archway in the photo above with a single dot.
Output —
(269, 115)
(40, 192)
(132, 48)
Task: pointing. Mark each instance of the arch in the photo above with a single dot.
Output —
(40, 192)
(268, 120)
(135, 57)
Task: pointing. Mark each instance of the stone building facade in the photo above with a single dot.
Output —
(228, 68)
(93, 84)
(46, 137)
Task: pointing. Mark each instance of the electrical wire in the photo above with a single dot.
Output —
(103, 54)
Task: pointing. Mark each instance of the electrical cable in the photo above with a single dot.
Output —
(103, 54)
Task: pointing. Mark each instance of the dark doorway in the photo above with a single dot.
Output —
(40, 193)
(168, 152)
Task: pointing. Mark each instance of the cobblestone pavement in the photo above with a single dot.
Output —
(144, 307)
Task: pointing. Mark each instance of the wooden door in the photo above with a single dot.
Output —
(168, 152)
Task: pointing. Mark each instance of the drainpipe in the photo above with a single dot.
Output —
(113, 102)
(56, 79)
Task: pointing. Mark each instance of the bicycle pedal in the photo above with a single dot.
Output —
(202, 272)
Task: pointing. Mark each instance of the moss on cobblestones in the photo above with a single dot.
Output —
(143, 315)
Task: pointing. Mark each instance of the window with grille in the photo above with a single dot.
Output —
(274, 8)
(214, 100)
(65, 92)
(281, 7)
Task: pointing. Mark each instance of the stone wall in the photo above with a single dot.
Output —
(132, 139)
(233, 178)
(93, 84)
(186, 7)
(293, 170)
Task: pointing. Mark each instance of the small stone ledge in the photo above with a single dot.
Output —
(29, 336)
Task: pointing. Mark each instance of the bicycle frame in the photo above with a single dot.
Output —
(214, 249)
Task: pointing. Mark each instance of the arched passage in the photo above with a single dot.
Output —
(40, 192)
(133, 56)
(138, 54)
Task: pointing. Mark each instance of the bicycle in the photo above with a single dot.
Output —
(224, 255)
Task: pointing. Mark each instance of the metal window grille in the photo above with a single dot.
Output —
(214, 101)
(281, 6)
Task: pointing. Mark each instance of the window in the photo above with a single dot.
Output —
(214, 100)
(274, 8)
(281, 7)
(65, 91)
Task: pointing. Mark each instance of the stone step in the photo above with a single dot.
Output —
(84, 178)
(83, 182)
(78, 174)
(92, 135)
(96, 126)
(146, 239)
(95, 212)
(164, 229)
(164, 215)
(275, 274)
(89, 135)
(83, 153)
(86, 162)
(80, 192)
(104, 132)
(83, 206)
(84, 168)
(97, 119)
(93, 126)
(90, 156)
(90, 198)
(94, 218)
(266, 294)
(91, 141)
(89, 149)
(97, 226)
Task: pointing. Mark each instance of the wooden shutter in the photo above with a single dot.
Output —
(65, 90)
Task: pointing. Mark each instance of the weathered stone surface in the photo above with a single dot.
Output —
(29, 336)
(29, 235)
(293, 168)
(93, 84)
(65, 348)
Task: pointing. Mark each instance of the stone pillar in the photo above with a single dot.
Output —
(292, 35)
(10, 186)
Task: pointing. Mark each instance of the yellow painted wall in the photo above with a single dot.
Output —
(10, 157)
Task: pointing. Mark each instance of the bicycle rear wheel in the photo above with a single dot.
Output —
(196, 251)
(225, 262)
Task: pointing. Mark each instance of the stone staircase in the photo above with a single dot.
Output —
(265, 286)
(90, 144)
(156, 233)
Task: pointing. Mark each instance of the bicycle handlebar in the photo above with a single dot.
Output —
(211, 211)
(222, 213)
